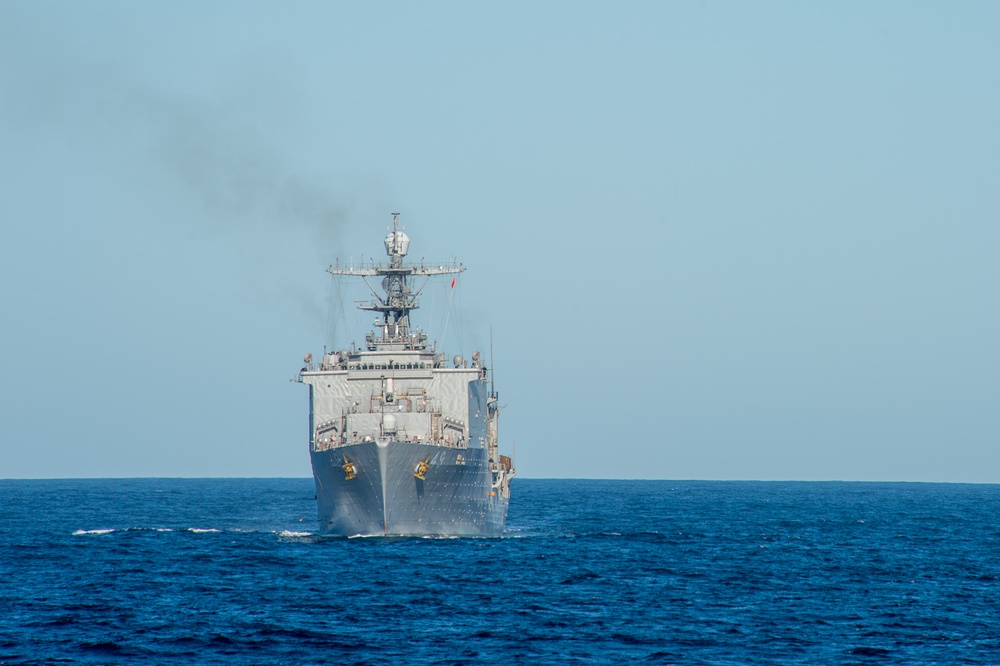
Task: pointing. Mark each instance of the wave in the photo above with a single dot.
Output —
(82, 532)
(197, 530)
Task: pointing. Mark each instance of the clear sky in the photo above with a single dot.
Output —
(714, 240)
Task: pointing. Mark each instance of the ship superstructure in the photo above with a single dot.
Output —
(404, 441)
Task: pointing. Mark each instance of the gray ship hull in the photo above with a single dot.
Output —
(456, 497)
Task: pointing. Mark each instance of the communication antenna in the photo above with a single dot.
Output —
(493, 370)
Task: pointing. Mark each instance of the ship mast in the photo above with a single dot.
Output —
(398, 297)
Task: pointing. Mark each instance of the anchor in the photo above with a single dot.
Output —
(422, 468)
(350, 471)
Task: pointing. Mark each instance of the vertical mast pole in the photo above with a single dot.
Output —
(493, 370)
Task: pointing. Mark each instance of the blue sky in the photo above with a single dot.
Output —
(713, 240)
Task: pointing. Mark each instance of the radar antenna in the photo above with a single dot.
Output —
(399, 297)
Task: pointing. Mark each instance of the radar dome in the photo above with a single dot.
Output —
(397, 243)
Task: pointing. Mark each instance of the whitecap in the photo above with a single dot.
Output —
(289, 533)
(81, 532)
(199, 530)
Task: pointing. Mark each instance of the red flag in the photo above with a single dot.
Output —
(453, 282)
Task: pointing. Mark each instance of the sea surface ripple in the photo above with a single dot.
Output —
(231, 571)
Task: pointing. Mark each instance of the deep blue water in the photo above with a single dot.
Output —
(229, 572)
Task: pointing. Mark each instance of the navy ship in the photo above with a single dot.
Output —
(403, 440)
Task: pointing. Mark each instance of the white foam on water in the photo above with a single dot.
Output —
(289, 533)
(81, 532)
(199, 530)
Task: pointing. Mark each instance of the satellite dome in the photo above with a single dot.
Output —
(397, 243)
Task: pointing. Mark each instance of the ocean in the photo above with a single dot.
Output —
(230, 571)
